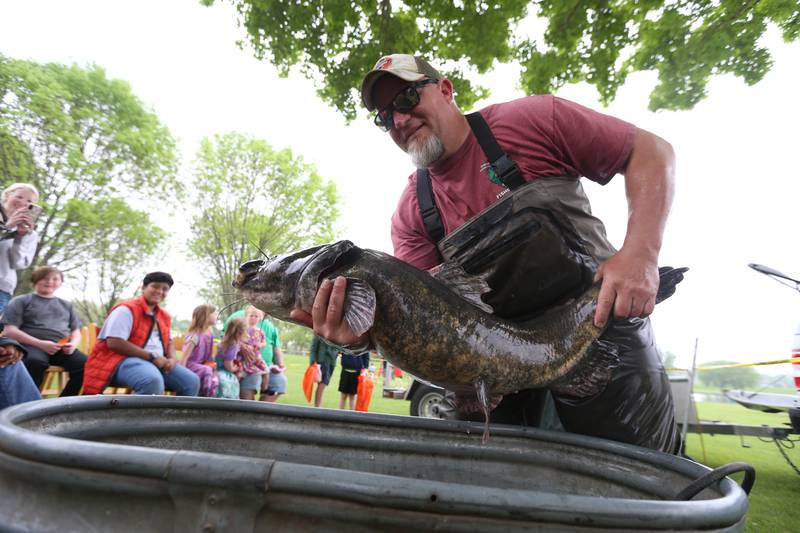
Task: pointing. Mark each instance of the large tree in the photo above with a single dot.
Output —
(90, 146)
(121, 238)
(733, 377)
(596, 41)
(251, 200)
(295, 339)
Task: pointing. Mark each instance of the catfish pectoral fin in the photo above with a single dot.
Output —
(592, 375)
(359, 306)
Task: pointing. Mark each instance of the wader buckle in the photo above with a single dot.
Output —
(505, 172)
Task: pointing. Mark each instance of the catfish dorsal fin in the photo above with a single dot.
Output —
(359, 305)
(467, 286)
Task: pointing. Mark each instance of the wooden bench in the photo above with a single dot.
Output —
(56, 378)
(126, 390)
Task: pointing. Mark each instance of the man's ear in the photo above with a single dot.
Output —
(446, 88)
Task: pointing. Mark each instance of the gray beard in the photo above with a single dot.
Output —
(426, 152)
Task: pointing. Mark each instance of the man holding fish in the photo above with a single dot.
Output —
(532, 150)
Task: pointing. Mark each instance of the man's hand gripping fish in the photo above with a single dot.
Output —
(438, 328)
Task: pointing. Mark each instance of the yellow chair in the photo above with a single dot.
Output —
(55, 378)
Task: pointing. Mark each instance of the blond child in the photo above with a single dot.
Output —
(198, 346)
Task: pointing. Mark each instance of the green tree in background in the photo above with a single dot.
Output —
(248, 199)
(118, 248)
(685, 41)
(668, 359)
(742, 377)
(88, 311)
(295, 339)
(90, 146)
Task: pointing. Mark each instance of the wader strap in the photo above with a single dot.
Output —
(502, 168)
(427, 206)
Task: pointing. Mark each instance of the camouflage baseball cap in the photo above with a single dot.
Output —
(404, 66)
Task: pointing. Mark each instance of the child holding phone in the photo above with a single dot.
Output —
(18, 240)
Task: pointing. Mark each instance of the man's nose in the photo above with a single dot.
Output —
(399, 118)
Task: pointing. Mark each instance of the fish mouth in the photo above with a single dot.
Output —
(291, 281)
(248, 271)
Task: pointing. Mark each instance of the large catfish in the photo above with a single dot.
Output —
(438, 328)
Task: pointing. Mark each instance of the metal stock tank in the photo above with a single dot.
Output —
(136, 463)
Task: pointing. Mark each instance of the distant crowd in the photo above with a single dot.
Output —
(134, 347)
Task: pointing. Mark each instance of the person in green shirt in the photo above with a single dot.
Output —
(274, 383)
(325, 355)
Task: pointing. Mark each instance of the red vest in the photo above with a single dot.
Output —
(103, 362)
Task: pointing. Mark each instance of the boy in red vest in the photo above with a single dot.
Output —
(134, 348)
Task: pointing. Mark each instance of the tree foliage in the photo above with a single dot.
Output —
(250, 199)
(742, 377)
(90, 146)
(295, 339)
(117, 249)
(88, 311)
(686, 42)
(668, 359)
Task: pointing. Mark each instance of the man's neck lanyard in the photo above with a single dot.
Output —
(502, 170)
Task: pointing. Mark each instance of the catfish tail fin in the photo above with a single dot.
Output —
(668, 279)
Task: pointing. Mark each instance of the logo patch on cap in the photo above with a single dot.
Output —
(383, 63)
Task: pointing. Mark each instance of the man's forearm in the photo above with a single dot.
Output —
(126, 348)
(649, 186)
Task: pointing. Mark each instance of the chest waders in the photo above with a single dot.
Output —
(538, 246)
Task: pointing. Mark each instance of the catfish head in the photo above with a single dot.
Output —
(276, 286)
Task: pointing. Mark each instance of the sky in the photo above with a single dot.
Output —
(737, 186)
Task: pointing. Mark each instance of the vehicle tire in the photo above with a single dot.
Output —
(794, 416)
(425, 402)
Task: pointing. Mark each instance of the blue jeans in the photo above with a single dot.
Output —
(4, 299)
(145, 378)
(16, 386)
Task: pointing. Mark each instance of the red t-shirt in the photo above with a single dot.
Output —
(545, 135)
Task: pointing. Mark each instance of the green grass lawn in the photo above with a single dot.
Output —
(777, 485)
(296, 366)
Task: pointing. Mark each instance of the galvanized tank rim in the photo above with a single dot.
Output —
(261, 475)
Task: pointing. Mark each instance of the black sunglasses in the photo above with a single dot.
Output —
(404, 101)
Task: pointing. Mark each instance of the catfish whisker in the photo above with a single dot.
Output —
(257, 247)
(235, 302)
